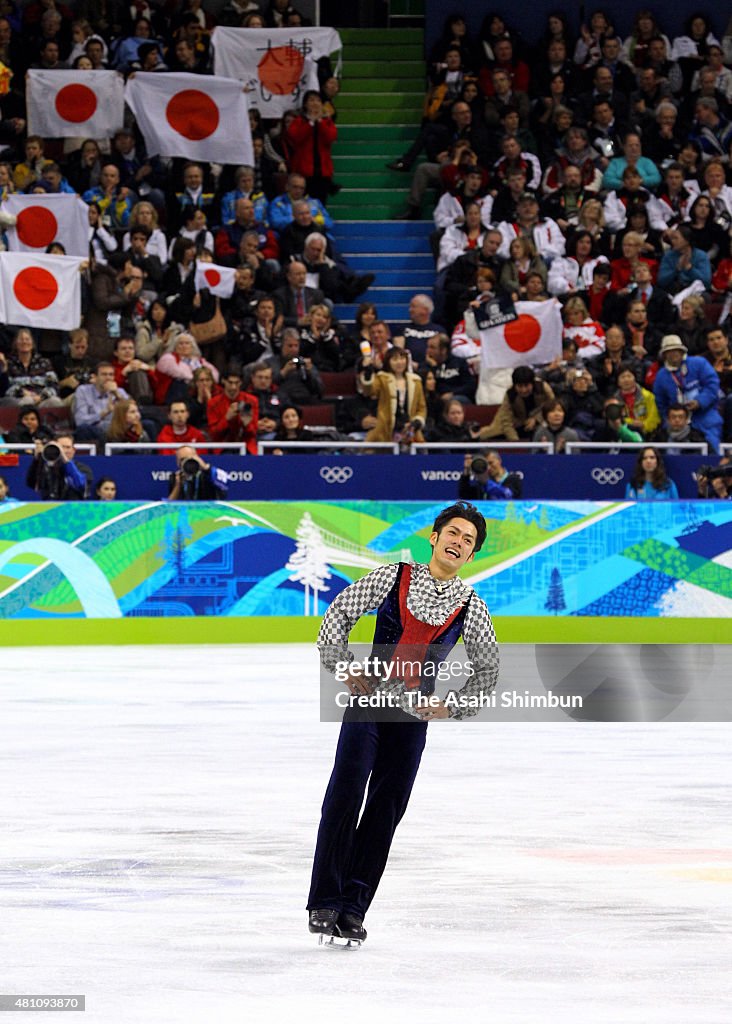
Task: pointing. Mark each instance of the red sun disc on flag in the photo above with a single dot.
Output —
(192, 114)
(280, 70)
(36, 226)
(35, 288)
(522, 334)
(76, 103)
(213, 277)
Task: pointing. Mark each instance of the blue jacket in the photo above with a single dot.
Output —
(674, 280)
(280, 213)
(613, 176)
(649, 493)
(697, 381)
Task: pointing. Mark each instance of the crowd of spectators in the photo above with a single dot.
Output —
(591, 171)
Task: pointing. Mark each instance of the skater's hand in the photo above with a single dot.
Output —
(433, 711)
(359, 682)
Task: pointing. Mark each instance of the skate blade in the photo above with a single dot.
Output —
(337, 942)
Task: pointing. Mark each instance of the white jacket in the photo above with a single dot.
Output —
(547, 237)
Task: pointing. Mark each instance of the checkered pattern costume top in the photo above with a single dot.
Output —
(429, 600)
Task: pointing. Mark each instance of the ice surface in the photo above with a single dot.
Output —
(159, 808)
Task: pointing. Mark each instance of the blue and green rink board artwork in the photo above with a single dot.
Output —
(266, 571)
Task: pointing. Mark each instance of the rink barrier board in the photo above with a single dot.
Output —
(337, 477)
(279, 630)
(572, 571)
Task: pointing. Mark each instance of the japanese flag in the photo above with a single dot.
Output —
(277, 65)
(63, 104)
(193, 116)
(535, 337)
(42, 219)
(40, 291)
(219, 280)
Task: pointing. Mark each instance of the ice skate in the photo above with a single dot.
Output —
(322, 923)
(350, 931)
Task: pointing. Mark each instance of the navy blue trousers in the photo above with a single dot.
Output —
(350, 855)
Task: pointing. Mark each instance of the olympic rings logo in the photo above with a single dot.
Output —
(604, 475)
(336, 474)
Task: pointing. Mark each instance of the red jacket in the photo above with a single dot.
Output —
(191, 435)
(226, 242)
(221, 429)
(120, 378)
(299, 134)
(622, 272)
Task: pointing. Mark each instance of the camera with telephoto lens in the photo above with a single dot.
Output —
(478, 465)
(190, 468)
(715, 472)
(51, 453)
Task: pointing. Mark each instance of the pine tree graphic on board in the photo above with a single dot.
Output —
(555, 595)
(308, 563)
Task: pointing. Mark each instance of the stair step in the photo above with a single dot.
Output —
(410, 279)
(400, 246)
(370, 134)
(382, 36)
(377, 153)
(373, 179)
(356, 229)
(379, 52)
(368, 116)
(396, 295)
(400, 262)
(373, 68)
(404, 85)
(379, 101)
(384, 211)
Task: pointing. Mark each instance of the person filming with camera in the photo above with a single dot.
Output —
(484, 477)
(233, 415)
(715, 481)
(196, 480)
(55, 475)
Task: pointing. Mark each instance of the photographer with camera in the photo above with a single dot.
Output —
(55, 475)
(485, 478)
(299, 381)
(614, 429)
(715, 481)
(196, 480)
(233, 415)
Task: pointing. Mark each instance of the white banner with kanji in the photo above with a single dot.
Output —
(219, 280)
(40, 291)
(199, 117)
(42, 219)
(67, 104)
(534, 337)
(276, 65)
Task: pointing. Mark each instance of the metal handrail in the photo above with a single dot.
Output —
(700, 446)
(545, 446)
(111, 447)
(22, 446)
(392, 447)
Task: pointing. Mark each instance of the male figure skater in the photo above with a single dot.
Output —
(426, 607)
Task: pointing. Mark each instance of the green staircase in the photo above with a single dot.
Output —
(379, 112)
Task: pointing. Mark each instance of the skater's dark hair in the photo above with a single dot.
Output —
(463, 510)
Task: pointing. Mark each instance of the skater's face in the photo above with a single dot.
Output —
(452, 548)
